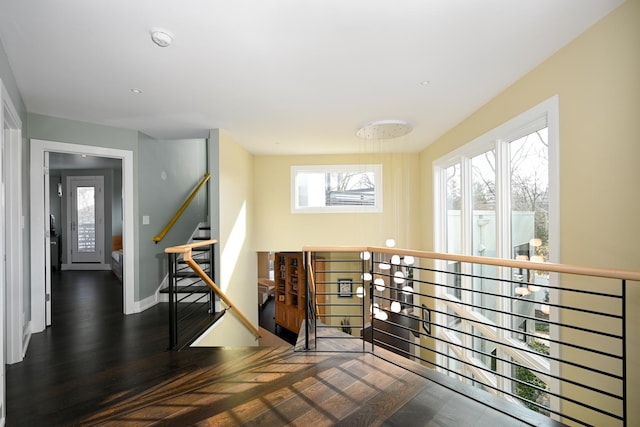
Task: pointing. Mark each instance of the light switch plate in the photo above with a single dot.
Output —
(145, 220)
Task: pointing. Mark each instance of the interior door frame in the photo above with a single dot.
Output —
(38, 223)
(17, 331)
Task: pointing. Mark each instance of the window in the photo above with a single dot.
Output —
(497, 196)
(336, 189)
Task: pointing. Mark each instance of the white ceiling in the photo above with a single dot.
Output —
(281, 76)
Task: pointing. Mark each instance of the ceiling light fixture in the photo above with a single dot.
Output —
(162, 38)
(136, 91)
(384, 129)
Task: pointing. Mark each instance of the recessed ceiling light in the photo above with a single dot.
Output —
(136, 91)
(384, 129)
(162, 38)
(425, 83)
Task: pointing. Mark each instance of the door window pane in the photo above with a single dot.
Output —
(86, 219)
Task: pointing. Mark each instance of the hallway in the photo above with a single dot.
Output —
(89, 334)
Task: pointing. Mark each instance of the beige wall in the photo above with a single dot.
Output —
(278, 229)
(238, 261)
(597, 79)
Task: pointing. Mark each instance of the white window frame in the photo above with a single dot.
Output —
(376, 169)
(498, 140)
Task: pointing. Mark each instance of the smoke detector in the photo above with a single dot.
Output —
(162, 38)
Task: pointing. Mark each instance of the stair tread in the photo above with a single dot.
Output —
(194, 289)
(186, 274)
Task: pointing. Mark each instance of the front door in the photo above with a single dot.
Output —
(86, 221)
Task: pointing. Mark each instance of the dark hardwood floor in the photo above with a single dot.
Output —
(267, 320)
(95, 366)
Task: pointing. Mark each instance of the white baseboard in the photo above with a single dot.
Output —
(145, 304)
(26, 338)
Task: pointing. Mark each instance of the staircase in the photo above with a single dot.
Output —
(192, 302)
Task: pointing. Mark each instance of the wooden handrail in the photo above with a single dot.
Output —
(184, 206)
(499, 262)
(186, 250)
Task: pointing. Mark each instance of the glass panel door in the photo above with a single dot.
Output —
(86, 219)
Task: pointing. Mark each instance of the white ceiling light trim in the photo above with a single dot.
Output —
(384, 129)
(162, 38)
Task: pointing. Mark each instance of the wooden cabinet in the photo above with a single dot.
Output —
(290, 290)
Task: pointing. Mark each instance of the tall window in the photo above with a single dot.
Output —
(496, 197)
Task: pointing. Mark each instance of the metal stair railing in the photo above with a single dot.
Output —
(187, 256)
(481, 320)
(191, 301)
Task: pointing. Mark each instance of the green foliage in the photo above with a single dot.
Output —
(526, 392)
(542, 327)
(539, 347)
(525, 375)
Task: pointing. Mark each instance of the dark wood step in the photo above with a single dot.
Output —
(198, 260)
(189, 289)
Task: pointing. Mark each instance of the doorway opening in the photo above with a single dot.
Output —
(40, 222)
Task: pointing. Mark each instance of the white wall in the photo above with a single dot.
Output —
(237, 264)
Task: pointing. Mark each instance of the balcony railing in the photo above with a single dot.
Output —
(550, 337)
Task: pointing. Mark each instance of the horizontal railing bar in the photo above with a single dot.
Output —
(338, 305)
(500, 375)
(513, 362)
(335, 282)
(498, 262)
(550, 322)
(517, 282)
(498, 280)
(550, 410)
(512, 297)
(528, 350)
(511, 314)
(340, 271)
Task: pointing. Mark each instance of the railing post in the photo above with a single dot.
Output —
(212, 274)
(307, 298)
(624, 352)
(371, 296)
(364, 317)
(173, 330)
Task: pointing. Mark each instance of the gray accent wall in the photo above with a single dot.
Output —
(168, 172)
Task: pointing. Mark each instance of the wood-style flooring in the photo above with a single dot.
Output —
(97, 367)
